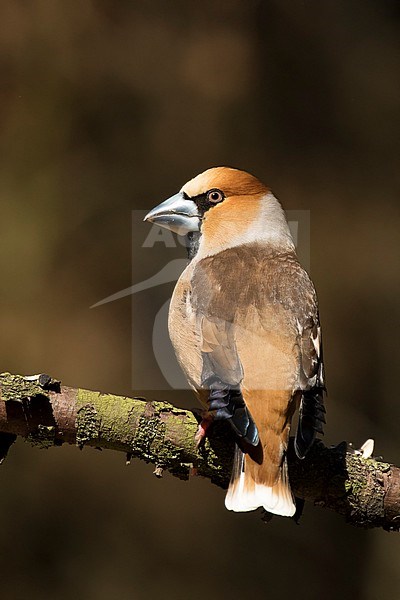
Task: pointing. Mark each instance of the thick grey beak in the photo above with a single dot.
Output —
(177, 214)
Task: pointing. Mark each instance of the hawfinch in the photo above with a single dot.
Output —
(245, 328)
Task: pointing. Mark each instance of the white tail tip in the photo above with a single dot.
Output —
(243, 495)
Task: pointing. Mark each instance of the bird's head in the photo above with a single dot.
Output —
(227, 207)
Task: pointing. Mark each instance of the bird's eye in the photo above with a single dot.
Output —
(215, 196)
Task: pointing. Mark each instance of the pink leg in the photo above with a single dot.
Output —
(202, 430)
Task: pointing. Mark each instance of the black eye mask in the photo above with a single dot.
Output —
(202, 202)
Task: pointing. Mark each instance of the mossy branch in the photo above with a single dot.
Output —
(365, 491)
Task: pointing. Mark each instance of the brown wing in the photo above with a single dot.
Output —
(221, 286)
(221, 377)
(219, 351)
(222, 371)
(297, 294)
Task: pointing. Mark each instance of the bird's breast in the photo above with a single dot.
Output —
(183, 329)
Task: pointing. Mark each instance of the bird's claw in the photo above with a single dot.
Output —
(202, 429)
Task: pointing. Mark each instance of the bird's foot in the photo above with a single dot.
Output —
(202, 429)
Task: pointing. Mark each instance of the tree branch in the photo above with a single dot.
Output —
(365, 491)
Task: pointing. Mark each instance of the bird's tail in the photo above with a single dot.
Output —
(247, 491)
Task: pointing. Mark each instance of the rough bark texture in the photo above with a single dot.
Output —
(365, 491)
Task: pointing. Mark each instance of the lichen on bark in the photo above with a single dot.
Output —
(365, 491)
(18, 388)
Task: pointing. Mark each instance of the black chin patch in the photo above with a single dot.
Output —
(193, 237)
(192, 243)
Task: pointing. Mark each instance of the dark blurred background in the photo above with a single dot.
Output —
(107, 107)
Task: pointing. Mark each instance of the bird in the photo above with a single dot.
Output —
(245, 327)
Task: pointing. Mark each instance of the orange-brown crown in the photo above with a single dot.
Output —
(232, 182)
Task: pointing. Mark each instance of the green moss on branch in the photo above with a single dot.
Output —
(365, 491)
